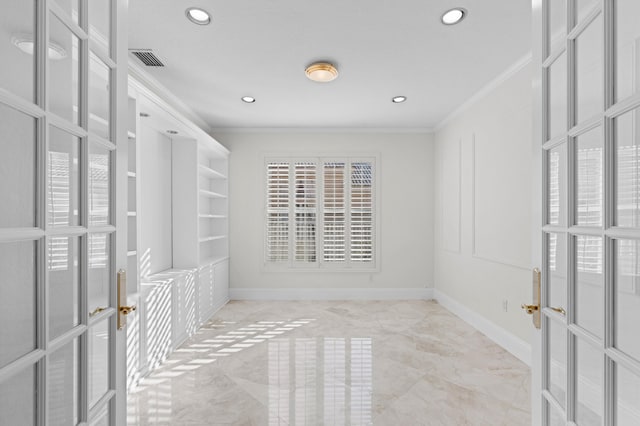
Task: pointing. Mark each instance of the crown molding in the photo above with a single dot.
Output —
(488, 88)
(378, 130)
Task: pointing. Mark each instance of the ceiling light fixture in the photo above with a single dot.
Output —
(322, 72)
(198, 16)
(26, 43)
(453, 16)
(248, 99)
(398, 99)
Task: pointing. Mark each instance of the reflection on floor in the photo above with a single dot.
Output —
(335, 363)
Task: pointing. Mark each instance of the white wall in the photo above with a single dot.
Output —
(405, 176)
(155, 251)
(483, 205)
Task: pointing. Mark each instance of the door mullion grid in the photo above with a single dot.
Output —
(42, 149)
(83, 119)
(609, 201)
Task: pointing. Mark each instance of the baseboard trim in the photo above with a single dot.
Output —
(331, 293)
(511, 343)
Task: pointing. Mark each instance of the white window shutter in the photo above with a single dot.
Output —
(305, 212)
(277, 221)
(361, 217)
(334, 212)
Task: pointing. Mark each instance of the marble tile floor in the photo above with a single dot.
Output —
(335, 363)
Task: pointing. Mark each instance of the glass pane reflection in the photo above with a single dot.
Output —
(627, 280)
(628, 169)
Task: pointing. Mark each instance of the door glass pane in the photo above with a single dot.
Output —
(63, 87)
(627, 397)
(63, 181)
(557, 22)
(628, 169)
(17, 73)
(627, 48)
(589, 68)
(98, 271)
(99, 182)
(589, 384)
(628, 297)
(64, 284)
(17, 167)
(99, 102)
(555, 419)
(589, 284)
(71, 7)
(62, 385)
(557, 348)
(18, 398)
(589, 165)
(557, 170)
(102, 419)
(17, 300)
(584, 7)
(557, 262)
(557, 119)
(98, 361)
(100, 22)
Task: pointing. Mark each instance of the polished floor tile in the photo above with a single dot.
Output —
(335, 363)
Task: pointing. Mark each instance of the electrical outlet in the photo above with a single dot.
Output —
(505, 305)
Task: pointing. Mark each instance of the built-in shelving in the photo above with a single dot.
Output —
(211, 194)
(210, 173)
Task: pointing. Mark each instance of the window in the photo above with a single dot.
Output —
(320, 212)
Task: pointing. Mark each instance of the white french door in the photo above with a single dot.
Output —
(587, 366)
(61, 85)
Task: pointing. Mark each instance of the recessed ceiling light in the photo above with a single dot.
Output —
(198, 16)
(172, 132)
(453, 16)
(26, 43)
(398, 99)
(322, 72)
(248, 99)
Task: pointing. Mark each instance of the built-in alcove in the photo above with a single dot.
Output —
(177, 230)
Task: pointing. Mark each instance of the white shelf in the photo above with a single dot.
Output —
(131, 174)
(210, 173)
(212, 216)
(211, 194)
(132, 253)
(212, 238)
(132, 214)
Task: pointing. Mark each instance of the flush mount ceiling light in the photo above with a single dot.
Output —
(26, 43)
(248, 99)
(398, 99)
(198, 16)
(322, 72)
(453, 16)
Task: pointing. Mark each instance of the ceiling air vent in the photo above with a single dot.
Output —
(147, 57)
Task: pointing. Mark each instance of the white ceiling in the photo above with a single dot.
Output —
(382, 48)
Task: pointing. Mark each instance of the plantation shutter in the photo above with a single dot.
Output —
(277, 221)
(361, 218)
(305, 212)
(334, 244)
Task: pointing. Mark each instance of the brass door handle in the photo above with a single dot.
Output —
(560, 310)
(530, 309)
(126, 310)
(96, 311)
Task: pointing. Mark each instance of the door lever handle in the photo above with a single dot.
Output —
(530, 309)
(126, 310)
(560, 310)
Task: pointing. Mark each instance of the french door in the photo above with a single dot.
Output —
(587, 366)
(61, 84)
